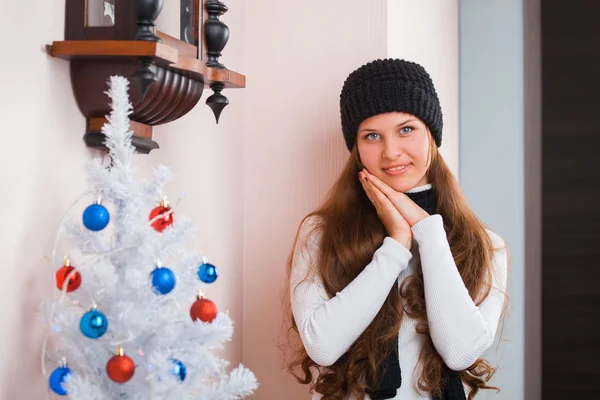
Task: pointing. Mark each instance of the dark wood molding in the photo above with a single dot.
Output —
(570, 194)
(141, 139)
(161, 53)
(184, 49)
(95, 140)
(139, 129)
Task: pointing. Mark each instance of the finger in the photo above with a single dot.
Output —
(408, 208)
(384, 187)
(377, 194)
(399, 199)
(383, 205)
(362, 181)
(378, 200)
(366, 188)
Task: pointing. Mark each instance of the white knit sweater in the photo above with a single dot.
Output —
(460, 330)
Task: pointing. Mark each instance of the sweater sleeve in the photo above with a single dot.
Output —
(329, 326)
(460, 330)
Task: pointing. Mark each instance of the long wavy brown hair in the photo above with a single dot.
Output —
(350, 231)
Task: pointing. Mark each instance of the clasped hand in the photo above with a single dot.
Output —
(395, 209)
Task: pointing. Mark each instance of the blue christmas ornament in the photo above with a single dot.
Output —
(163, 280)
(178, 369)
(208, 273)
(58, 376)
(93, 324)
(96, 217)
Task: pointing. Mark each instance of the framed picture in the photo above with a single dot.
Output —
(99, 13)
(191, 21)
(116, 20)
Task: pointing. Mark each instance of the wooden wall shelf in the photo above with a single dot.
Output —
(178, 70)
(162, 54)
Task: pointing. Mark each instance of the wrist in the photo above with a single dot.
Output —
(404, 240)
(419, 218)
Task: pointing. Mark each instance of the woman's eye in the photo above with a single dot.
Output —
(372, 136)
(406, 130)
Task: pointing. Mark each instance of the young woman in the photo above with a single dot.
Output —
(396, 287)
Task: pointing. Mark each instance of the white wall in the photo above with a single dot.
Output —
(492, 156)
(42, 173)
(248, 180)
(299, 54)
(206, 159)
(426, 32)
(293, 146)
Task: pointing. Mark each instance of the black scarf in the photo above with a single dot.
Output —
(389, 373)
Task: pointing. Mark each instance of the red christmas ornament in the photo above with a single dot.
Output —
(203, 309)
(63, 273)
(165, 220)
(120, 368)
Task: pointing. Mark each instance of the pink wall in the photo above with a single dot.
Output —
(42, 173)
(249, 180)
(207, 161)
(299, 55)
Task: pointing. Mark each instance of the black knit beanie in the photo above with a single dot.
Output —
(389, 85)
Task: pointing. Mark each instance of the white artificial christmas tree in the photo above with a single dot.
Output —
(129, 322)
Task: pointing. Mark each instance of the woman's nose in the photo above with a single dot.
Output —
(392, 149)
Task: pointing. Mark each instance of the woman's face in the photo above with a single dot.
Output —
(395, 148)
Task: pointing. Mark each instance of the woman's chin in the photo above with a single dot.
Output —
(399, 184)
